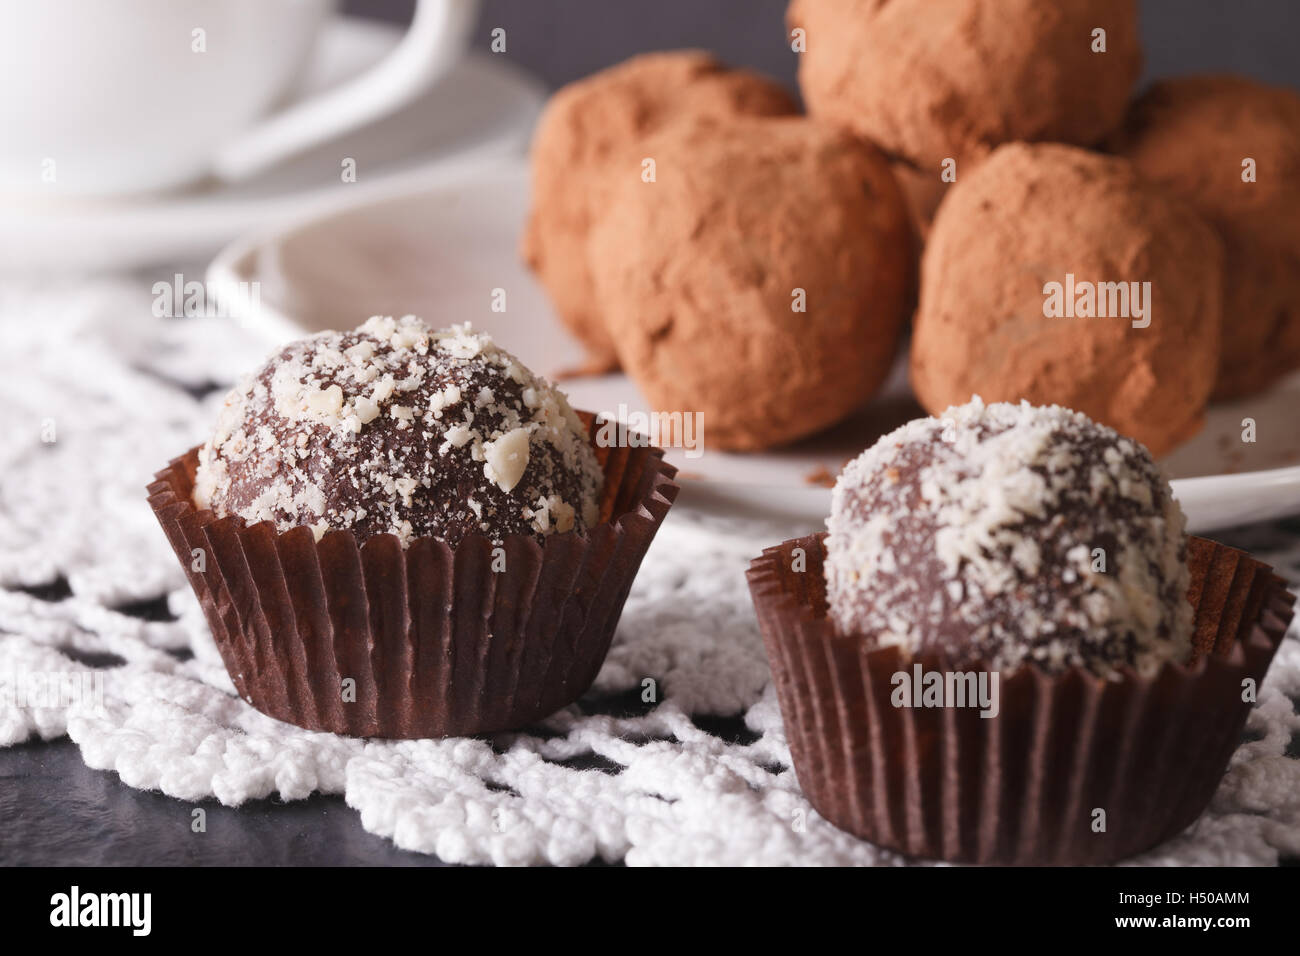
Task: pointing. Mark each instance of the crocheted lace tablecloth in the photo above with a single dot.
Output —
(88, 585)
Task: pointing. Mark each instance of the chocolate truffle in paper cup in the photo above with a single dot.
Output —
(1029, 568)
(403, 532)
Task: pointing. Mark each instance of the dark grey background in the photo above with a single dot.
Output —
(561, 40)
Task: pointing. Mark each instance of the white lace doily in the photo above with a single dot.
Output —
(88, 583)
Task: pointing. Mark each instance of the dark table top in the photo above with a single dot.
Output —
(55, 811)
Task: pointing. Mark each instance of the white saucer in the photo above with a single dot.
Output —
(484, 107)
(441, 251)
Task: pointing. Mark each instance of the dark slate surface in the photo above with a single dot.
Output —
(56, 811)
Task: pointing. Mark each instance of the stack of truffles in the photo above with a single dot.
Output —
(1132, 260)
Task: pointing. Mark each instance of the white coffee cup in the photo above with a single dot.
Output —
(110, 97)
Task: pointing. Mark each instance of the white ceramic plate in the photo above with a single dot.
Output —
(484, 107)
(442, 251)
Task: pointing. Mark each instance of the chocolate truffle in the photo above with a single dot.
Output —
(759, 280)
(1034, 274)
(397, 429)
(589, 130)
(1011, 534)
(933, 79)
(1193, 135)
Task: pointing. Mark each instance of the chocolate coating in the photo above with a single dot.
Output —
(591, 130)
(1191, 135)
(760, 280)
(1034, 215)
(977, 534)
(932, 79)
(394, 428)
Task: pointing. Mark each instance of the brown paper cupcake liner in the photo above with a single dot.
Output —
(434, 641)
(1065, 756)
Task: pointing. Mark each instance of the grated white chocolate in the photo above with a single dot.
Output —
(982, 532)
(398, 428)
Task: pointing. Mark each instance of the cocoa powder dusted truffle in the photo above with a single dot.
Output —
(1060, 276)
(398, 429)
(1011, 534)
(933, 79)
(592, 129)
(1195, 136)
(759, 280)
